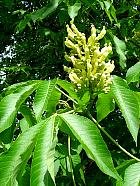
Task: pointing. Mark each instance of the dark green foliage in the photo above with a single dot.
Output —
(47, 133)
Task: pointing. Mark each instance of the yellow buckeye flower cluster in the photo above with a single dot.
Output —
(90, 70)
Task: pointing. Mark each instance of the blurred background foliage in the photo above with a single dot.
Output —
(32, 35)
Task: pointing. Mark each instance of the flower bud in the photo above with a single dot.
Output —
(101, 35)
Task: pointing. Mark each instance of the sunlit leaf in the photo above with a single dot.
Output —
(13, 162)
(14, 88)
(46, 98)
(133, 73)
(10, 104)
(42, 170)
(128, 105)
(132, 175)
(89, 136)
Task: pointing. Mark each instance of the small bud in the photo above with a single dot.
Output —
(69, 43)
(70, 32)
(101, 35)
(73, 77)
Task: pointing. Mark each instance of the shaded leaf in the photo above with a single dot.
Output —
(121, 168)
(45, 11)
(132, 175)
(22, 24)
(25, 180)
(67, 86)
(120, 49)
(39, 14)
(133, 73)
(128, 105)
(28, 115)
(89, 136)
(104, 105)
(73, 10)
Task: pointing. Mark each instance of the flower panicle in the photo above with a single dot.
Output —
(91, 70)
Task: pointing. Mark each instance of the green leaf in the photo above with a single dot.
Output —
(133, 73)
(7, 135)
(28, 115)
(45, 11)
(132, 175)
(14, 88)
(108, 7)
(46, 98)
(10, 104)
(25, 180)
(137, 95)
(84, 99)
(14, 160)
(119, 183)
(22, 24)
(128, 105)
(73, 10)
(43, 159)
(104, 105)
(39, 14)
(24, 125)
(121, 168)
(120, 49)
(67, 86)
(107, 4)
(89, 136)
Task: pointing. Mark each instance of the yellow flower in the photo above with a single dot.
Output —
(90, 70)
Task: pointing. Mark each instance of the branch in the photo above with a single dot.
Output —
(108, 135)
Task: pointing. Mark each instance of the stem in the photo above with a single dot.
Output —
(108, 135)
(70, 161)
(69, 112)
(3, 146)
(66, 95)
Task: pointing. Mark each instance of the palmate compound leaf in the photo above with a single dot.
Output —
(13, 161)
(10, 104)
(89, 136)
(128, 105)
(132, 175)
(42, 169)
(46, 98)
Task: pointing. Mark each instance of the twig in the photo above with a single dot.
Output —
(66, 95)
(108, 135)
(70, 161)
